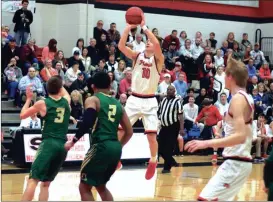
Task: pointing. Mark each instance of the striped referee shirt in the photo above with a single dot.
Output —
(168, 111)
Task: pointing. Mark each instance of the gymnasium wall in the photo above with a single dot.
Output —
(68, 22)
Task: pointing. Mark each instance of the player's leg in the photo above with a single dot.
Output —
(104, 193)
(214, 157)
(30, 189)
(85, 192)
(44, 194)
(266, 142)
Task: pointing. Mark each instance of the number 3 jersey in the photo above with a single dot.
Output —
(108, 119)
(145, 75)
(56, 120)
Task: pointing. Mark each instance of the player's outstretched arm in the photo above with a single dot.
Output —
(89, 119)
(129, 53)
(157, 48)
(127, 127)
(240, 129)
(38, 107)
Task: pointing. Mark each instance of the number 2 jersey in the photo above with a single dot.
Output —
(56, 120)
(145, 75)
(108, 119)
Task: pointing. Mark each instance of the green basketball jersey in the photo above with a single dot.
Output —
(56, 120)
(109, 116)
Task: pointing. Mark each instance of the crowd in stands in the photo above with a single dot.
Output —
(193, 65)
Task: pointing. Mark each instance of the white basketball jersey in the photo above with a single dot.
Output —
(145, 76)
(241, 150)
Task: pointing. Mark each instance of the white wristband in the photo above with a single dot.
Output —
(144, 28)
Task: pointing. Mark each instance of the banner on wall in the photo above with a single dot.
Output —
(12, 6)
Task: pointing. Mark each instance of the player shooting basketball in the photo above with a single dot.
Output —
(145, 77)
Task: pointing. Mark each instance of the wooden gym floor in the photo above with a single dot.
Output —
(183, 183)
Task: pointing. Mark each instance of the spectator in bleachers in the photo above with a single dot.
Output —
(114, 51)
(253, 84)
(169, 39)
(98, 31)
(218, 59)
(230, 40)
(176, 71)
(79, 84)
(197, 50)
(237, 54)
(119, 71)
(93, 52)
(171, 56)
(258, 56)
(28, 54)
(123, 99)
(86, 61)
(101, 68)
(163, 72)
(180, 85)
(7, 35)
(222, 104)
(113, 33)
(155, 32)
(31, 78)
(102, 46)
(59, 57)
(199, 99)
(190, 114)
(245, 42)
(264, 72)
(112, 64)
(246, 55)
(138, 44)
(144, 36)
(114, 85)
(261, 94)
(132, 35)
(251, 68)
(32, 122)
(48, 71)
(14, 74)
(50, 50)
(76, 106)
(9, 51)
(71, 74)
(257, 101)
(229, 52)
(58, 67)
(211, 42)
(220, 77)
(261, 138)
(266, 85)
(126, 82)
(182, 38)
(206, 72)
(22, 19)
(163, 86)
(76, 58)
(79, 46)
(190, 93)
(224, 48)
(269, 96)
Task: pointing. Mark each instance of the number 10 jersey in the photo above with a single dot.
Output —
(145, 75)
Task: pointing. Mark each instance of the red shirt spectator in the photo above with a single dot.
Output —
(163, 72)
(28, 52)
(211, 115)
(48, 71)
(175, 72)
(265, 72)
(168, 40)
(125, 83)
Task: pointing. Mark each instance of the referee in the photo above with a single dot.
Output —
(171, 119)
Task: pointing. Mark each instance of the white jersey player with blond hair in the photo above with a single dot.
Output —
(147, 66)
(233, 173)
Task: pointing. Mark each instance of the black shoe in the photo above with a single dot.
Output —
(165, 171)
(175, 164)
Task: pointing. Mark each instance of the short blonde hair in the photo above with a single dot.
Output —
(76, 93)
(238, 71)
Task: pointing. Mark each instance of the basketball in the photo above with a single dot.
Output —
(133, 16)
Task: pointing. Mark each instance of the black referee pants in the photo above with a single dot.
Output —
(167, 142)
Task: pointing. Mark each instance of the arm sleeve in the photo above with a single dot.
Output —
(89, 118)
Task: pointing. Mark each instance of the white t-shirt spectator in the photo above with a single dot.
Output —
(196, 51)
(70, 76)
(190, 113)
(29, 123)
(139, 47)
(221, 79)
(219, 61)
(163, 86)
(222, 108)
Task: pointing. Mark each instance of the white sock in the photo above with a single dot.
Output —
(153, 159)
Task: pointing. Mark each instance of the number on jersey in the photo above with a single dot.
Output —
(112, 113)
(60, 115)
(146, 73)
